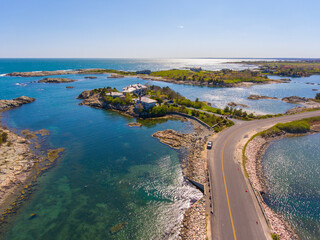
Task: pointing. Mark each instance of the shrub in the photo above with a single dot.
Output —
(3, 137)
(301, 126)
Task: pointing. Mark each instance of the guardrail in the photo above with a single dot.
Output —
(260, 200)
(194, 118)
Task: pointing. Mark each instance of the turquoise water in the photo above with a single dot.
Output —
(292, 170)
(23, 65)
(218, 97)
(110, 173)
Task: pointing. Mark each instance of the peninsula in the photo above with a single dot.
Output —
(301, 68)
(151, 101)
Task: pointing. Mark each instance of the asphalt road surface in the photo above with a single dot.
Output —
(236, 215)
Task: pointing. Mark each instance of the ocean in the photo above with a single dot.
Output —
(110, 173)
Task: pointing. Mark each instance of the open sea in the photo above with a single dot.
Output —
(110, 173)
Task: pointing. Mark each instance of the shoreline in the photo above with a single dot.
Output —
(119, 74)
(23, 160)
(193, 167)
(255, 149)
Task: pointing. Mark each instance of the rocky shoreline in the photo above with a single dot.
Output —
(21, 163)
(120, 74)
(194, 168)
(254, 152)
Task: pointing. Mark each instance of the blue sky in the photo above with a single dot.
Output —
(159, 29)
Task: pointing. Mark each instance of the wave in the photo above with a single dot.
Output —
(3, 75)
(21, 84)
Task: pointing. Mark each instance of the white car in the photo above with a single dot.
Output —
(209, 145)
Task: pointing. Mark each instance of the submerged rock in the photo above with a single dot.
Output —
(118, 227)
(134, 124)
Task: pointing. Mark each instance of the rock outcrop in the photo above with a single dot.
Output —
(233, 104)
(194, 165)
(258, 97)
(93, 99)
(56, 80)
(57, 72)
(17, 102)
(116, 75)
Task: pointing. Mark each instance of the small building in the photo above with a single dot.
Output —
(135, 89)
(196, 69)
(114, 94)
(143, 72)
(147, 102)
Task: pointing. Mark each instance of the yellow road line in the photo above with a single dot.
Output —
(225, 184)
(224, 178)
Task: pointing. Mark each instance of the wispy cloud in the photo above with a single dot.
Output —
(180, 26)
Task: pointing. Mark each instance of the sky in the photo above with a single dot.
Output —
(159, 29)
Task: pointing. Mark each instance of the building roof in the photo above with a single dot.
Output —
(114, 94)
(147, 100)
(134, 87)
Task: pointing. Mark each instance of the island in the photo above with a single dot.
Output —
(17, 102)
(233, 104)
(258, 97)
(301, 68)
(56, 80)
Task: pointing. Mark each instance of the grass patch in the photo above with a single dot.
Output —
(214, 78)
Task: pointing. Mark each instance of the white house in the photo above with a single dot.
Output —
(135, 89)
(114, 94)
(147, 102)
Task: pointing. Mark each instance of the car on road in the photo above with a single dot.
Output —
(209, 145)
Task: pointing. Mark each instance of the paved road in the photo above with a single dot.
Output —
(235, 210)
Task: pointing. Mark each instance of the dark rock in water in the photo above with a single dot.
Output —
(118, 227)
(69, 87)
(315, 90)
(90, 77)
(56, 80)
